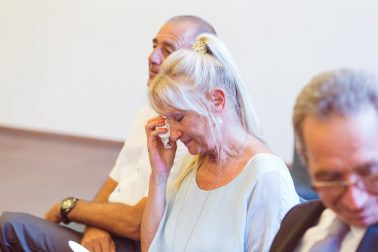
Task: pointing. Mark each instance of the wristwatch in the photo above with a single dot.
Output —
(66, 205)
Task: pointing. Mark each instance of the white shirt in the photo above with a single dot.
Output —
(132, 168)
(322, 229)
(243, 215)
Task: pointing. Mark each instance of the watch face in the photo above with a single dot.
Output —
(67, 203)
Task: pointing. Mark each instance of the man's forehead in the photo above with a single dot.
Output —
(176, 32)
(338, 171)
(339, 143)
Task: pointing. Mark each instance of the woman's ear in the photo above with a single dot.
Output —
(218, 99)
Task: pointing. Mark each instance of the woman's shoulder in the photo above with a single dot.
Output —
(263, 163)
(260, 166)
(273, 178)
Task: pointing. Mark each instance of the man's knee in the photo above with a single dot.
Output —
(25, 232)
(7, 218)
(8, 223)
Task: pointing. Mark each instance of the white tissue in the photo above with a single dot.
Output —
(165, 136)
(76, 247)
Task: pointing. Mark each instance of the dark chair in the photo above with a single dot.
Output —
(302, 179)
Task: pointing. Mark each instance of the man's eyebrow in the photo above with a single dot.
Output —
(367, 164)
(326, 174)
(166, 44)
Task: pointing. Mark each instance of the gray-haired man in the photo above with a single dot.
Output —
(336, 126)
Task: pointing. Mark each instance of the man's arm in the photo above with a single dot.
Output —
(105, 191)
(95, 238)
(116, 218)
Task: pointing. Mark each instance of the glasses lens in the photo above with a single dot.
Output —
(332, 188)
(372, 184)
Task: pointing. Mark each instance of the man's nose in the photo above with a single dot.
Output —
(156, 56)
(355, 196)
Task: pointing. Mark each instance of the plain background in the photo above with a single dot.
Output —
(80, 66)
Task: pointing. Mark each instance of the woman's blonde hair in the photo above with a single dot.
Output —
(186, 80)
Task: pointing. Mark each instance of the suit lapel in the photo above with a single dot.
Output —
(309, 220)
(370, 240)
(295, 224)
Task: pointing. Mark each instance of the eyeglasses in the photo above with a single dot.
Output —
(337, 188)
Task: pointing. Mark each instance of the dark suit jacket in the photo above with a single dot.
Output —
(302, 217)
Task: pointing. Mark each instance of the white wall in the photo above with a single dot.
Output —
(80, 66)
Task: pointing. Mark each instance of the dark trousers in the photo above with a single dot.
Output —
(25, 232)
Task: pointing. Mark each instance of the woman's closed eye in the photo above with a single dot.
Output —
(178, 118)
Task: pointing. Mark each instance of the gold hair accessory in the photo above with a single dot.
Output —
(200, 47)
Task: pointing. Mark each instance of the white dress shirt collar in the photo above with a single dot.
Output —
(321, 230)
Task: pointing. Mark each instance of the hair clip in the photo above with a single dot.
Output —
(200, 47)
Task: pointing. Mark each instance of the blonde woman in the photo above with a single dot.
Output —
(232, 192)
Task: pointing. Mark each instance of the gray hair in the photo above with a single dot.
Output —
(342, 92)
(187, 77)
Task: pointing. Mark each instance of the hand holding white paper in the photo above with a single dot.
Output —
(165, 136)
(76, 247)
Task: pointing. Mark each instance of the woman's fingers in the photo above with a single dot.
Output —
(154, 124)
(155, 127)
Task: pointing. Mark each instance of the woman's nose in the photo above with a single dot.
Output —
(175, 133)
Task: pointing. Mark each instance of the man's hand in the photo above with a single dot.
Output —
(54, 213)
(96, 239)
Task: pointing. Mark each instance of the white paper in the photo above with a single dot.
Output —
(76, 247)
(165, 136)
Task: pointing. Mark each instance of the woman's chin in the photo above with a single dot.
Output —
(193, 150)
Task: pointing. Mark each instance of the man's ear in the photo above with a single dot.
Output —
(218, 99)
